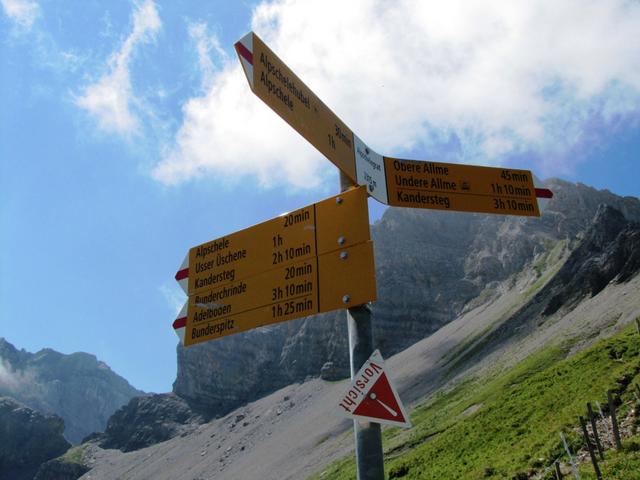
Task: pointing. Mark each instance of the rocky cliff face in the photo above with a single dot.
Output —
(148, 420)
(57, 469)
(430, 267)
(77, 387)
(27, 439)
(609, 253)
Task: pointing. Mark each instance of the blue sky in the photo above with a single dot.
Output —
(128, 134)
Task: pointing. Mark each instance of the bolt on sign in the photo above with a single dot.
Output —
(392, 181)
(316, 259)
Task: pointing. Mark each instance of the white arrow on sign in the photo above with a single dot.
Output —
(182, 275)
(180, 323)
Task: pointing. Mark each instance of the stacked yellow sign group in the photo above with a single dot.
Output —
(320, 257)
(312, 260)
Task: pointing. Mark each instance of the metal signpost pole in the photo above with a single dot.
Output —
(368, 435)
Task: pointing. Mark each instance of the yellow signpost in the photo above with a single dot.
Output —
(320, 258)
(404, 183)
(337, 222)
(467, 188)
(328, 282)
(345, 277)
(312, 260)
(281, 89)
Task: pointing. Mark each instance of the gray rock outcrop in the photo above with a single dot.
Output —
(148, 420)
(27, 439)
(608, 253)
(58, 469)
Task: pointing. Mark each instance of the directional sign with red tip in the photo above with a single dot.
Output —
(335, 223)
(313, 260)
(544, 193)
(392, 181)
(328, 282)
(372, 397)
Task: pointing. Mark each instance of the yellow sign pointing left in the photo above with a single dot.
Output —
(335, 280)
(281, 89)
(315, 259)
(337, 222)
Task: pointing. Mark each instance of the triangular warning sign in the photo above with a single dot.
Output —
(371, 396)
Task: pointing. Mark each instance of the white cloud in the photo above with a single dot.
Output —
(7, 377)
(12, 381)
(110, 99)
(206, 45)
(228, 133)
(43, 47)
(173, 295)
(23, 12)
(504, 77)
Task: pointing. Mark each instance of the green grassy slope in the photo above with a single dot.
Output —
(508, 426)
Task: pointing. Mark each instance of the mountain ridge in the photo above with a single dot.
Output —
(459, 294)
(295, 431)
(78, 387)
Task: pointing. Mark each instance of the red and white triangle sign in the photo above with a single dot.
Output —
(372, 397)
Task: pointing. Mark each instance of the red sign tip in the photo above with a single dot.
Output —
(244, 52)
(180, 323)
(182, 274)
(543, 193)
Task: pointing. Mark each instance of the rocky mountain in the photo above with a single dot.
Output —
(27, 439)
(608, 253)
(459, 294)
(83, 391)
(296, 431)
(431, 267)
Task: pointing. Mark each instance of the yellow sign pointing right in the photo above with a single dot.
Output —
(403, 183)
(465, 188)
